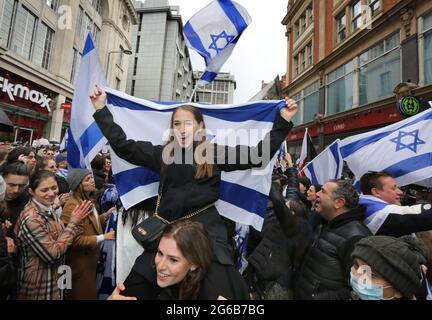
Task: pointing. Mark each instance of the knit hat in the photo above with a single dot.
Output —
(60, 158)
(75, 176)
(398, 260)
(2, 188)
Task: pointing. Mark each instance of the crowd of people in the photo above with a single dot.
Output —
(318, 242)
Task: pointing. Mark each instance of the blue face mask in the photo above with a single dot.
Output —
(372, 292)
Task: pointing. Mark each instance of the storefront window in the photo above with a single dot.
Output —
(340, 89)
(380, 71)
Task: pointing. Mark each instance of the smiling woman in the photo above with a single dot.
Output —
(185, 269)
(43, 240)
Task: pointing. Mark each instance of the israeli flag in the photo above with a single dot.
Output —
(403, 149)
(213, 32)
(85, 138)
(326, 166)
(243, 194)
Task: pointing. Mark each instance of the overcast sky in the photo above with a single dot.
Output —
(261, 52)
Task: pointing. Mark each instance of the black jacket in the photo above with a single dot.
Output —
(325, 271)
(7, 270)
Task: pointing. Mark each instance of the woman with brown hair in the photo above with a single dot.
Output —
(185, 269)
(190, 171)
(85, 250)
(43, 240)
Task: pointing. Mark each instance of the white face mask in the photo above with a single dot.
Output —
(368, 292)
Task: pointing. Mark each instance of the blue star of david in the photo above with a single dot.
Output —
(215, 38)
(210, 137)
(412, 146)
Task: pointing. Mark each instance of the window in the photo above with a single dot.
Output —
(356, 15)
(375, 6)
(133, 88)
(78, 28)
(427, 27)
(341, 27)
(303, 59)
(140, 23)
(310, 102)
(75, 64)
(309, 15)
(9, 10)
(340, 89)
(118, 83)
(302, 23)
(310, 55)
(380, 70)
(298, 117)
(53, 4)
(138, 44)
(43, 46)
(296, 30)
(296, 66)
(97, 4)
(96, 33)
(135, 66)
(120, 57)
(24, 30)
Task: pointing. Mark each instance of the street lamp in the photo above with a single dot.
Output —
(126, 52)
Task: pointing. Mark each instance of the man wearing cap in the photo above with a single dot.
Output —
(61, 161)
(395, 264)
(384, 213)
(325, 270)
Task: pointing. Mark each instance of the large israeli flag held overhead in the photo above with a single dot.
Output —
(243, 194)
(213, 32)
(403, 149)
(326, 166)
(85, 139)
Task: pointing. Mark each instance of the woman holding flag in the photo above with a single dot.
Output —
(189, 190)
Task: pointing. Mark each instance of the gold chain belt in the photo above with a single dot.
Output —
(188, 216)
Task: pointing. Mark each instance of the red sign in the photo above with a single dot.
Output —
(66, 106)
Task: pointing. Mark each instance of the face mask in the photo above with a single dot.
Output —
(372, 292)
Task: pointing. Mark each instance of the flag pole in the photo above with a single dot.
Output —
(194, 92)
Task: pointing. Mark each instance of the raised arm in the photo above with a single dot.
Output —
(140, 153)
(244, 157)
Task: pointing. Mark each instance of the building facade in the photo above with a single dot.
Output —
(40, 46)
(349, 63)
(219, 91)
(160, 68)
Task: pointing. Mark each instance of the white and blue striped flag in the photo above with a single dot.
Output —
(403, 149)
(243, 194)
(213, 32)
(85, 138)
(326, 166)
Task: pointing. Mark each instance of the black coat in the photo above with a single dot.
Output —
(325, 271)
(7, 270)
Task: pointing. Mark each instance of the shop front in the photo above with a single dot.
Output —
(27, 105)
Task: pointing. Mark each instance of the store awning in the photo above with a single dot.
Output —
(5, 124)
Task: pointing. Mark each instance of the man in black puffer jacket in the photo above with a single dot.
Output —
(325, 271)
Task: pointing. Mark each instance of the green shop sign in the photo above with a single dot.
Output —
(409, 106)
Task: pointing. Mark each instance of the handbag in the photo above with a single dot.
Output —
(149, 231)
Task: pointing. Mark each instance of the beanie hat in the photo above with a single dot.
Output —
(398, 260)
(2, 188)
(75, 176)
(60, 158)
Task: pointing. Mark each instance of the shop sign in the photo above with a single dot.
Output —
(409, 106)
(17, 90)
